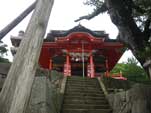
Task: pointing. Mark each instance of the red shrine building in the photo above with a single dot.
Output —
(78, 51)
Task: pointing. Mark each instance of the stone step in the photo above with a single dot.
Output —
(86, 111)
(82, 85)
(85, 106)
(84, 88)
(83, 91)
(101, 96)
(79, 78)
(85, 78)
(89, 100)
(85, 97)
(80, 101)
(82, 80)
(84, 94)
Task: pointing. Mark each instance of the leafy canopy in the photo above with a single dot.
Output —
(3, 51)
(131, 70)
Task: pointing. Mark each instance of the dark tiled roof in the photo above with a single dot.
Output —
(111, 40)
(79, 28)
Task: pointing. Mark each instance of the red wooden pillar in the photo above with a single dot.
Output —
(67, 66)
(92, 71)
(50, 64)
(107, 68)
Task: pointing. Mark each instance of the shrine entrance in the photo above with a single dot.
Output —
(79, 61)
(77, 69)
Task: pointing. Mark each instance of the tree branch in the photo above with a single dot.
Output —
(96, 12)
(147, 24)
(137, 8)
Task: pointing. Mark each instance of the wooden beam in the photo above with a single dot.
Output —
(16, 21)
(17, 88)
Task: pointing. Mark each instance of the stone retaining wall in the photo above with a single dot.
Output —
(135, 100)
(4, 68)
(45, 95)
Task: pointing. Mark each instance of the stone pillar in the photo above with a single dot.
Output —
(92, 71)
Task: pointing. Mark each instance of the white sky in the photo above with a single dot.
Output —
(62, 17)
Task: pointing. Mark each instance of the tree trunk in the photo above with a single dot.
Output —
(17, 87)
(129, 33)
(127, 27)
(147, 67)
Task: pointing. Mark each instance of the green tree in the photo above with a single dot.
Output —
(131, 70)
(3, 51)
(132, 60)
(133, 20)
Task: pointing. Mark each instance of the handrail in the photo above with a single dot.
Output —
(63, 85)
(103, 86)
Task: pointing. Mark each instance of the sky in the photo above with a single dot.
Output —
(62, 17)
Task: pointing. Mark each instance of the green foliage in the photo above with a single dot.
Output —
(4, 60)
(131, 70)
(132, 60)
(146, 52)
(96, 3)
(3, 51)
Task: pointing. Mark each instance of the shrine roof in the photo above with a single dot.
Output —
(62, 33)
(111, 40)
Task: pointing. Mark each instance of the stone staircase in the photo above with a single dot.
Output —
(84, 95)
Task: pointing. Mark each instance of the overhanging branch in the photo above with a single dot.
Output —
(96, 12)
